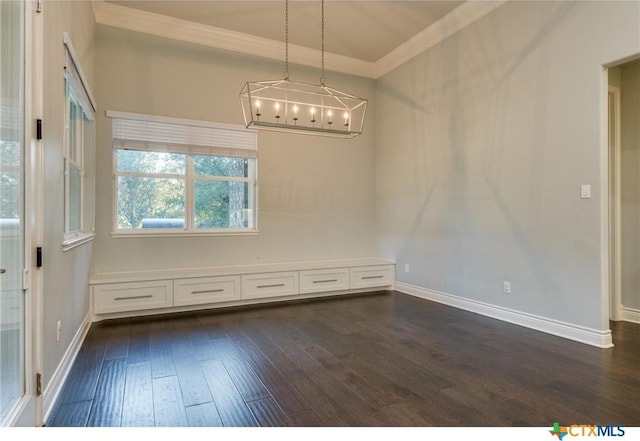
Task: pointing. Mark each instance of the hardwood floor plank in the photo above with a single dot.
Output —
(276, 383)
(138, 343)
(137, 407)
(168, 407)
(268, 413)
(204, 415)
(70, 415)
(106, 410)
(306, 418)
(118, 344)
(160, 353)
(231, 407)
(192, 380)
(245, 380)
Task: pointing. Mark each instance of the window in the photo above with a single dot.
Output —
(79, 144)
(174, 176)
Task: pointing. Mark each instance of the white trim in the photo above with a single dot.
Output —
(630, 315)
(183, 30)
(76, 239)
(54, 385)
(594, 337)
(615, 239)
(179, 121)
(169, 232)
(85, 84)
(35, 204)
(456, 20)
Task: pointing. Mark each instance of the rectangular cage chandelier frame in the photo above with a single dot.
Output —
(295, 107)
(289, 106)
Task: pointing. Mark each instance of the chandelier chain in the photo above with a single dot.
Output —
(286, 40)
(322, 45)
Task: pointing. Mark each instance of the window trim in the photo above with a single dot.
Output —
(245, 148)
(74, 78)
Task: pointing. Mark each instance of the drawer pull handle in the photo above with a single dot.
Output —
(134, 297)
(372, 277)
(205, 291)
(277, 285)
(325, 281)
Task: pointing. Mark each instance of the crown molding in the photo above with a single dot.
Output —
(456, 20)
(187, 31)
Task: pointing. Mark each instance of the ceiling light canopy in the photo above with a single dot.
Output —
(290, 106)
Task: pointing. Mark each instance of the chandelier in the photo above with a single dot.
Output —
(290, 106)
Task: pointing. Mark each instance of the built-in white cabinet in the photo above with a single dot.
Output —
(155, 292)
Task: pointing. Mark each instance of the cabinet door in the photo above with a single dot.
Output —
(203, 290)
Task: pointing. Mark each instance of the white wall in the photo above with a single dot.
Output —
(482, 144)
(630, 183)
(316, 197)
(66, 274)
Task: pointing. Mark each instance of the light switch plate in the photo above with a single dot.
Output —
(585, 191)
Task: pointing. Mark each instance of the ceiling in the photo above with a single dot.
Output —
(367, 38)
(364, 30)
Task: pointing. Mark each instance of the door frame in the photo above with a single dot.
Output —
(608, 263)
(28, 412)
(615, 243)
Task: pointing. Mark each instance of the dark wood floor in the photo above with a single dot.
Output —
(376, 360)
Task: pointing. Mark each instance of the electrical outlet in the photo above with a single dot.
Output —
(506, 287)
(406, 268)
(58, 329)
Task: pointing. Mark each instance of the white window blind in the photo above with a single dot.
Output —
(176, 135)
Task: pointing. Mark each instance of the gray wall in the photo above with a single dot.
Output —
(66, 274)
(482, 143)
(316, 195)
(630, 183)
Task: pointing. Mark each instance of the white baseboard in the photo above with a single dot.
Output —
(54, 385)
(594, 337)
(630, 315)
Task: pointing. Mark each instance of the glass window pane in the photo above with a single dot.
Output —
(75, 138)
(151, 162)
(10, 183)
(150, 203)
(75, 184)
(222, 204)
(221, 166)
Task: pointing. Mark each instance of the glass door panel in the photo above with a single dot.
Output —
(12, 317)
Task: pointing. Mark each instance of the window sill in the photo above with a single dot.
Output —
(75, 240)
(168, 233)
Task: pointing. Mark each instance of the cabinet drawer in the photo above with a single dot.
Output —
(134, 296)
(324, 280)
(257, 286)
(372, 276)
(206, 290)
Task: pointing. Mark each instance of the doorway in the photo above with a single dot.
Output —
(624, 190)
